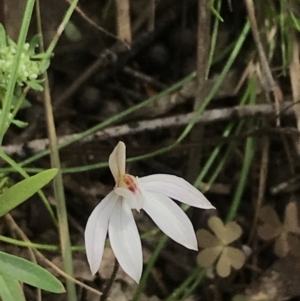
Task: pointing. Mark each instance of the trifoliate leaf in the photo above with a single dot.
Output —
(216, 247)
(285, 234)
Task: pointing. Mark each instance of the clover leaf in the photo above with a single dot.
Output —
(286, 234)
(216, 249)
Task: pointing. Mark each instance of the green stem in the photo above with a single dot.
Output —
(61, 28)
(197, 281)
(37, 246)
(184, 285)
(249, 152)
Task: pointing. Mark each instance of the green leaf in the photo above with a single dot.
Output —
(35, 86)
(72, 32)
(28, 272)
(23, 190)
(296, 21)
(26, 104)
(10, 42)
(18, 94)
(2, 36)
(19, 123)
(33, 44)
(10, 289)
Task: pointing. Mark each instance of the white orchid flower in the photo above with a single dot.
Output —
(152, 194)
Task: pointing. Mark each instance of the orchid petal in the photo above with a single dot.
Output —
(117, 161)
(176, 188)
(171, 219)
(125, 240)
(96, 230)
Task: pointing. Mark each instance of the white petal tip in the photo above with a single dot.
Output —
(94, 271)
(137, 280)
(192, 243)
(134, 276)
(193, 247)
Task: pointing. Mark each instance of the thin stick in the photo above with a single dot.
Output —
(209, 116)
(204, 41)
(123, 20)
(295, 78)
(59, 194)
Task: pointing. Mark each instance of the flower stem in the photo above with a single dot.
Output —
(149, 267)
(110, 282)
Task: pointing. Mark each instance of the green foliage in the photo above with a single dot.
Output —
(12, 268)
(30, 67)
(20, 67)
(23, 190)
(25, 271)
(10, 289)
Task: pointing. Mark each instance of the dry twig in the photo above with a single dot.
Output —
(209, 116)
